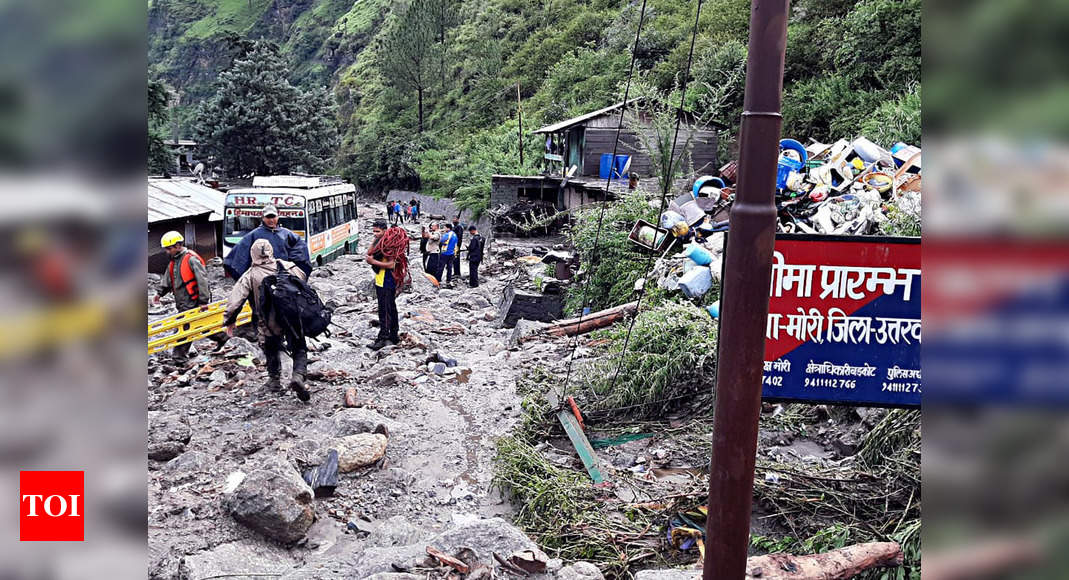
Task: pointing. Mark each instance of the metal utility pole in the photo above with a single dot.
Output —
(519, 116)
(747, 274)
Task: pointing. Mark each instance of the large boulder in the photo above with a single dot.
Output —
(234, 559)
(168, 434)
(275, 501)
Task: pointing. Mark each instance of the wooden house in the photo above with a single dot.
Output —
(582, 141)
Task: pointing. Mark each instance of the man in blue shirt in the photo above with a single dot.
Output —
(458, 230)
(448, 244)
(286, 245)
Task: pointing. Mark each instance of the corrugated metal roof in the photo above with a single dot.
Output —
(179, 198)
(577, 120)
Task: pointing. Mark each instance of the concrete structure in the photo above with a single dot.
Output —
(189, 208)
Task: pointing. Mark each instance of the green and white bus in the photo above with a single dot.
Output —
(322, 210)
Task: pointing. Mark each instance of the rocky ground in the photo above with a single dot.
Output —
(225, 491)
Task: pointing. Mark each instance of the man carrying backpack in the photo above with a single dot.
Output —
(388, 256)
(273, 329)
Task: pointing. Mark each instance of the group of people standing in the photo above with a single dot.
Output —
(402, 212)
(440, 246)
(272, 250)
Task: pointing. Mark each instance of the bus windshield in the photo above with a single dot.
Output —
(238, 226)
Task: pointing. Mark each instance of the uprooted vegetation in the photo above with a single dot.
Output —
(826, 477)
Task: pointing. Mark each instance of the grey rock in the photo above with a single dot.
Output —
(218, 376)
(168, 434)
(394, 576)
(274, 501)
(523, 329)
(482, 536)
(668, 575)
(187, 465)
(243, 556)
(361, 420)
(580, 571)
(396, 531)
(238, 347)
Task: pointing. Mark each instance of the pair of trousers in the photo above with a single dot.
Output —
(434, 266)
(473, 274)
(388, 323)
(447, 265)
(456, 266)
(272, 345)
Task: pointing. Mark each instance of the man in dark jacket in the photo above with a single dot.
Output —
(475, 255)
(286, 245)
(458, 229)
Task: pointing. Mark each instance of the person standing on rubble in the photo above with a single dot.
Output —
(271, 333)
(424, 236)
(475, 255)
(388, 258)
(286, 245)
(187, 278)
(434, 253)
(448, 245)
(458, 230)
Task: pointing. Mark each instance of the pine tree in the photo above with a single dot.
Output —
(258, 122)
(407, 51)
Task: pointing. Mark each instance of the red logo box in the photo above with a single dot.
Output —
(52, 506)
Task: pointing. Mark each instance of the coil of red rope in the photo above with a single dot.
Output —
(394, 246)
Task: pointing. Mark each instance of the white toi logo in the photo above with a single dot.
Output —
(50, 502)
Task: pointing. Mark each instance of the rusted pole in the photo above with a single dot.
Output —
(747, 273)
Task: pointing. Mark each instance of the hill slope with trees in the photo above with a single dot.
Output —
(425, 91)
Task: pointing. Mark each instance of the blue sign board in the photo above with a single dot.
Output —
(844, 321)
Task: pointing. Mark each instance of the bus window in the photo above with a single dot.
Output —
(319, 221)
(238, 226)
(339, 215)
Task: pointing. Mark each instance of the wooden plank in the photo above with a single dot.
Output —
(578, 438)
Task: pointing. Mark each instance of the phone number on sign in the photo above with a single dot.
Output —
(831, 383)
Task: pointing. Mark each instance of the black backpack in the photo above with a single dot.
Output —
(297, 307)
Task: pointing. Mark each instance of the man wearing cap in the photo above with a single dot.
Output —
(286, 245)
(187, 278)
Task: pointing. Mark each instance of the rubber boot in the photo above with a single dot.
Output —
(300, 365)
(274, 383)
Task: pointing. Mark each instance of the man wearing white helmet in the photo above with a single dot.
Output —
(187, 278)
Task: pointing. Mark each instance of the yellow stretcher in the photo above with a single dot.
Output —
(191, 325)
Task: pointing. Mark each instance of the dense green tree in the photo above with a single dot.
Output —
(258, 122)
(159, 159)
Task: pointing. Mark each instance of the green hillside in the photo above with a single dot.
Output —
(852, 68)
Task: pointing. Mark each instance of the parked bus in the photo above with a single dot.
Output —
(322, 210)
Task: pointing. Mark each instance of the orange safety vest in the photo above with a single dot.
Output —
(188, 278)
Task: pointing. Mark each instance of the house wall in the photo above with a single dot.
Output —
(206, 239)
(702, 148)
(601, 141)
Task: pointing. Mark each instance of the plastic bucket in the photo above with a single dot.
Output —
(698, 254)
(707, 181)
(786, 165)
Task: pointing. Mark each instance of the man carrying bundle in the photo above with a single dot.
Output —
(388, 256)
